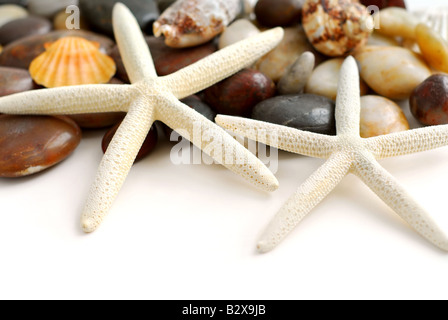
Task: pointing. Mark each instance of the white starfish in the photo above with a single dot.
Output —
(148, 99)
(347, 153)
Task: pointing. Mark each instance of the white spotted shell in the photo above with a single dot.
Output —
(336, 27)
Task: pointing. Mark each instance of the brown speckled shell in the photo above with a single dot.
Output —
(336, 27)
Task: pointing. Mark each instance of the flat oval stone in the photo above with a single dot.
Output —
(20, 53)
(380, 116)
(429, 101)
(273, 13)
(397, 22)
(98, 13)
(238, 94)
(277, 61)
(23, 27)
(325, 78)
(148, 145)
(377, 39)
(14, 80)
(304, 111)
(392, 72)
(238, 30)
(166, 60)
(10, 12)
(433, 47)
(30, 144)
(48, 8)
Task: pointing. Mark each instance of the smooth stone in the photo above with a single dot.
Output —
(30, 144)
(147, 147)
(304, 111)
(325, 78)
(380, 116)
(166, 60)
(429, 101)
(282, 13)
(20, 53)
(397, 22)
(392, 72)
(60, 21)
(14, 80)
(277, 61)
(238, 94)
(48, 8)
(433, 47)
(10, 12)
(238, 30)
(381, 4)
(23, 27)
(295, 78)
(164, 4)
(377, 39)
(98, 13)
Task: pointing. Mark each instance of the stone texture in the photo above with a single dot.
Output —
(23, 27)
(392, 72)
(14, 80)
(98, 13)
(397, 22)
(433, 47)
(30, 144)
(297, 75)
(10, 12)
(429, 100)
(304, 111)
(276, 62)
(238, 94)
(20, 53)
(48, 8)
(380, 116)
(273, 13)
(237, 31)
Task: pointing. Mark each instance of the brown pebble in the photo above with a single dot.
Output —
(273, 13)
(23, 27)
(30, 144)
(14, 80)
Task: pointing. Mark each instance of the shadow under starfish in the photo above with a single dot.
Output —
(347, 153)
(147, 99)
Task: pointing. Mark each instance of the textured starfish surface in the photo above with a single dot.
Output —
(346, 153)
(147, 99)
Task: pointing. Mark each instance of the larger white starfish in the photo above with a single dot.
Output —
(148, 99)
(347, 153)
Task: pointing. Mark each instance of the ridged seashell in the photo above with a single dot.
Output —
(188, 23)
(336, 27)
(72, 61)
(436, 18)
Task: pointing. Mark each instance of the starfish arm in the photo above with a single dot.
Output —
(68, 100)
(407, 142)
(348, 102)
(116, 163)
(396, 197)
(309, 194)
(221, 64)
(215, 142)
(281, 137)
(133, 48)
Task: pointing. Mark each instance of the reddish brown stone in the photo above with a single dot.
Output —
(14, 80)
(20, 53)
(273, 13)
(238, 94)
(429, 100)
(148, 145)
(384, 3)
(24, 27)
(30, 144)
(166, 60)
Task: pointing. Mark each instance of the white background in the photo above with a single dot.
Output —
(189, 232)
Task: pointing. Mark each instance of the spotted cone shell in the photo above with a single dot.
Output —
(72, 61)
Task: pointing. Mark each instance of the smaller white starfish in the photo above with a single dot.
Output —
(148, 99)
(347, 153)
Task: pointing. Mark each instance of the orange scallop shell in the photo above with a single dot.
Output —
(72, 61)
